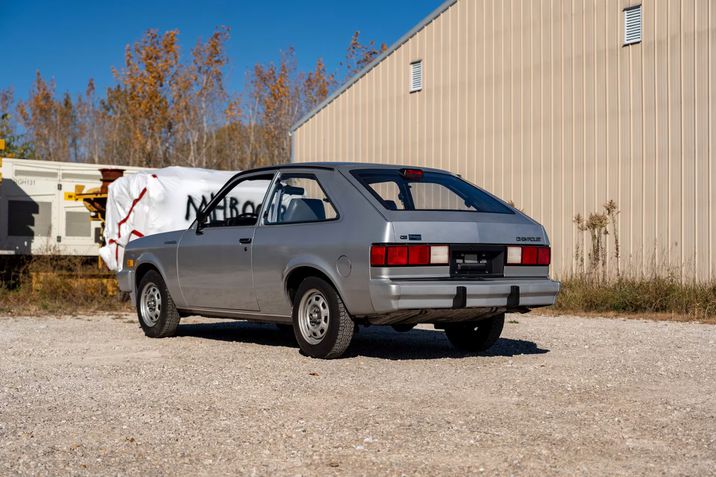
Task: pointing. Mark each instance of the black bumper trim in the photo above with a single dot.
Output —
(513, 299)
(460, 299)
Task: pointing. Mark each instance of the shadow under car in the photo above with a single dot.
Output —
(373, 341)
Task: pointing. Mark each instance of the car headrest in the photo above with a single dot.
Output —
(304, 210)
(390, 205)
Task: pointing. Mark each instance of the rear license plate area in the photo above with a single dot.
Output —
(477, 261)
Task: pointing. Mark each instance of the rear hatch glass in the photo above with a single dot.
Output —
(415, 190)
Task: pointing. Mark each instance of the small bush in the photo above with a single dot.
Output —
(644, 295)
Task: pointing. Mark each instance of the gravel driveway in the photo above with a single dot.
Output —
(556, 395)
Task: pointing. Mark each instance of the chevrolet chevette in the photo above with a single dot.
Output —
(335, 245)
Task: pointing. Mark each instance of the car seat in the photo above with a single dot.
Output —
(304, 210)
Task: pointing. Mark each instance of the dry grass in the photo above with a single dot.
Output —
(56, 284)
(69, 285)
(656, 297)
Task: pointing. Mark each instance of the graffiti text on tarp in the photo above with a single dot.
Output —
(227, 208)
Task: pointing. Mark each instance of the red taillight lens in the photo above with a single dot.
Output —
(544, 256)
(419, 255)
(377, 255)
(529, 255)
(415, 255)
(397, 255)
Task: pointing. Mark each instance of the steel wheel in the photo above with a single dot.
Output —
(313, 316)
(150, 304)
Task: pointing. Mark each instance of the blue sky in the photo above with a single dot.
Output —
(72, 41)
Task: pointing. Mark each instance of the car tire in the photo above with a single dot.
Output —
(475, 336)
(157, 314)
(321, 323)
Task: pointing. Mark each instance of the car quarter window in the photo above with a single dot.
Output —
(239, 205)
(299, 198)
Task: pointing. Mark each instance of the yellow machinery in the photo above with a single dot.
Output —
(2, 148)
(95, 199)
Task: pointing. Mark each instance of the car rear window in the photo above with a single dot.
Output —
(414, 189)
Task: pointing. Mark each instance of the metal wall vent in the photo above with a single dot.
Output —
(416, 76)
(632, 25)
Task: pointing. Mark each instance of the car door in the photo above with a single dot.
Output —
(214, 257)
(300, 224)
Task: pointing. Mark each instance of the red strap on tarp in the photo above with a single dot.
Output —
(119, 224)
(129, 212)
(116, 244)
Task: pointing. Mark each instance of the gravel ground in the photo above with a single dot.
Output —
(556, 395)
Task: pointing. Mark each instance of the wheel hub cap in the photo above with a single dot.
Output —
(313, 316)
(150, 304)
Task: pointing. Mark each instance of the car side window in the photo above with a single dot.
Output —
(239, 206)
(299, 198)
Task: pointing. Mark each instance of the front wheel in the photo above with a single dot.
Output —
(157, 314)
(475, 336)
(321, 323)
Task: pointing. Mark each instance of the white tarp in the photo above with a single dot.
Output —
(165, 200)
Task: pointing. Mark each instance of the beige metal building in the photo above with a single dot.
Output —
(557, 105)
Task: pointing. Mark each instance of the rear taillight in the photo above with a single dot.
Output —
(397, 255)
(528, 255)
(419, 255)
(377, 255)
(544, 255)
(405, 255)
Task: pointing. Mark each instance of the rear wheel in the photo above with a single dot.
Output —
(475, 336)
(157, 314)
(321, 323)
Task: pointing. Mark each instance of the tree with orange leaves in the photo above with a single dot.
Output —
(163, 111)
(197, 98)
(359, 55)
(51, 124)
(317, 85)
(151, 67)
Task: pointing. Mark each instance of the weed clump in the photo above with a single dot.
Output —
(58, 284)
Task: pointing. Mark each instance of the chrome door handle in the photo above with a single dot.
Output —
(245, 240)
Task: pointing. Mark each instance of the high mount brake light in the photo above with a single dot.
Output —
(529, 255)
(412, 174)
(408, 255)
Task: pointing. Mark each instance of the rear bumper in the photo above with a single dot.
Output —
(390, 296)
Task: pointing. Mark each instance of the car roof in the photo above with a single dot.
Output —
(339, 166)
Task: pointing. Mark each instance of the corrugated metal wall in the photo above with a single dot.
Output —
(539, 102)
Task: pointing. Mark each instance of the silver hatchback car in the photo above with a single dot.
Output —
(326, 247)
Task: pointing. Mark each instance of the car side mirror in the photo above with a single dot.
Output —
(201, 220)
